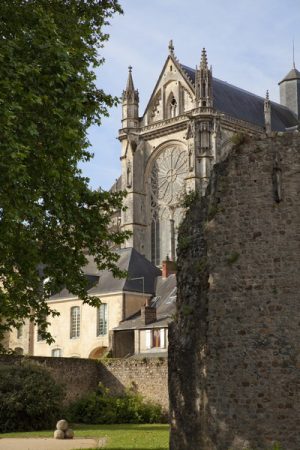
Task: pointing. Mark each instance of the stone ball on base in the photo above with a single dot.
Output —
(62, 425)
(59, 434)
(69, 434)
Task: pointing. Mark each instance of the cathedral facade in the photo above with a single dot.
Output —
(187, 127)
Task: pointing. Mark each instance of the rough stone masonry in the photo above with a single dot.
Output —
(234, 356)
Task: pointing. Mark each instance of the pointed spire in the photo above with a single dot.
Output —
(203, 64)
(130, 100)
(129, 85)
(171, 47)
(294, 65)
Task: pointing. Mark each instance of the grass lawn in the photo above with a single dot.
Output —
(119, 437)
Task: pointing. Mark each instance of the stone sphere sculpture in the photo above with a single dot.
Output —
(59, 434)
(69, 434)
(62, 425)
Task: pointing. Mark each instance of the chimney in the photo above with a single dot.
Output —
(168, 267)
(148, 314)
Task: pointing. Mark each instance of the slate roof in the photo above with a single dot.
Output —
(165, 303)
(293, 74)
(244, 105)
(104, 283)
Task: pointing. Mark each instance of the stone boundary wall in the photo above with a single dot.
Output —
(149, 377)
(77, 376)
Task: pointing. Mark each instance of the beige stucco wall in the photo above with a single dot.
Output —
(119, 306)
(14, 342)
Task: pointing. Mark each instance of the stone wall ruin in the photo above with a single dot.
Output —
(234, 354)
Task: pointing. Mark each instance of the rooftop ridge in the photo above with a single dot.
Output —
(237, 88)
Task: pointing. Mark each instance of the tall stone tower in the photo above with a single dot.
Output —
(290, 91)
(132, 160)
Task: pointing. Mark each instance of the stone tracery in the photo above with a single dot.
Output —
(167, 186)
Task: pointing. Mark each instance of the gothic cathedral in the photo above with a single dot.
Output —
(186, 128)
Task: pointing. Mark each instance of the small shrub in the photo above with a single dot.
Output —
(189, 199)
(29, 398)
(102, 408)
(239, 138)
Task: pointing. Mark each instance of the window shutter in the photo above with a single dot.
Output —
(162, 338)
(148, 339)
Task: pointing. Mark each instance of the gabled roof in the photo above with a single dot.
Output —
(164, 302)
(103, 282)
(245, 105)
(179, 68)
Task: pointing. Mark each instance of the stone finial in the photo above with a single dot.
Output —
(129, 85)
(267, 96)
(171, 47)
(203, 64)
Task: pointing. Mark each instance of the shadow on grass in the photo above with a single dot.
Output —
(126, 427)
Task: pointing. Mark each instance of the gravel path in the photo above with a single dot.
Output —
(49, 443)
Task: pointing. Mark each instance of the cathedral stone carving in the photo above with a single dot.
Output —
(187, 106)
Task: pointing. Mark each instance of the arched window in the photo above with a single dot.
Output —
(75, 322)
(56, 352)
(155, 242)
(19, 351)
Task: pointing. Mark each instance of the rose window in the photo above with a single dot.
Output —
(167, 186)
(167, 177)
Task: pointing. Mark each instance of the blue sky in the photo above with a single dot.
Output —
(248, 42)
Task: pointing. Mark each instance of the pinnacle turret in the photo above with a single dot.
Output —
(267, 113)
(203, 63)
(130, 101)
(203, 83)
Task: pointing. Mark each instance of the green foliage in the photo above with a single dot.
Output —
(184, 242)
(189, 199)
(29, 398)
(239, 138)
(233, 258)
(49, 217)
(102, 408)
(187, 310)
(201, 264)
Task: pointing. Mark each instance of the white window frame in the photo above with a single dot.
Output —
(162, 332)
(148, 338)
(102, 320)
(75, 318)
